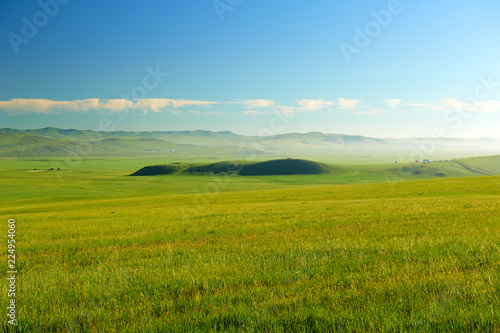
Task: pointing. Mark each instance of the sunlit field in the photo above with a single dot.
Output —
(399, 256)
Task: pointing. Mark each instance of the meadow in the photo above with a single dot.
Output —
(99, 251)
(109, 176)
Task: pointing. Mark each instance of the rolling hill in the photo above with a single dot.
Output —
(267, 168)
(52, 141)
(28, 144)
(331, 173)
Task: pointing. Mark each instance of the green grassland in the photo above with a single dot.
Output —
(104, 176)
(405, 256)
(380, 247)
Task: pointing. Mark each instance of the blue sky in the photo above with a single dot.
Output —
(376, 68)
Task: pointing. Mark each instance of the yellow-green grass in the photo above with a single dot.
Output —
(398, 257)
(109, 177)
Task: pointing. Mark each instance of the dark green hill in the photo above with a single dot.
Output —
(156, 170)
(284, 167)
(274, 167)
(215, 168)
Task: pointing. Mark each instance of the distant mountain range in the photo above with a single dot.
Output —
(53, 141)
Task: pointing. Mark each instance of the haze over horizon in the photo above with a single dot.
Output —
(384, 69)
(243, 135)
(262, 135)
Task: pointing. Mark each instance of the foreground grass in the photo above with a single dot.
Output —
(409, 256)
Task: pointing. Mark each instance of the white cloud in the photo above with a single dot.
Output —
(453, 103)
(258, 103)
(393, 102)
(374, 112)
(424, 106)
(199, 113)
(288, 110)
(487, 106)
(179, 103)
(213, 113)
(116, 105)
(253, 113)
(347, 104)
(47, 106)
(313, 104)
(19, 105)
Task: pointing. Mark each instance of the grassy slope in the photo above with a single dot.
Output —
(404, 256)
(59, 142)
(352, 173)
(483, 164)
(108, 176)
(36, 145)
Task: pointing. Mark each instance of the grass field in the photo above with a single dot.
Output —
(104, 176)
(99, 251)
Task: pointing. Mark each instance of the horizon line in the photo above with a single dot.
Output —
(244, 135)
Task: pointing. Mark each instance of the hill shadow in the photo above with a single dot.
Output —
(284, 167)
